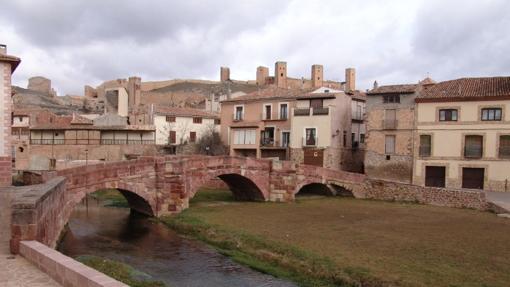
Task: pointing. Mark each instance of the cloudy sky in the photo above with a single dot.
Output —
(88, 41)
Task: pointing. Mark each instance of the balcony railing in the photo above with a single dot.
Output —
(126, 142)
(301, 111)
(504, 151)
(47, 141)
(269, 142)
(90, 142)
(390, 124)
(320, 111)
(473, 151)
(310, 141)
(357, 116)
(425, 151)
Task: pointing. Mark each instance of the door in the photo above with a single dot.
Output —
(473, 177)
(314, 156)
(435, 176)
(173, 137)
(285, 139)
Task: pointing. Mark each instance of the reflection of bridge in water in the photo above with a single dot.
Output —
(160, 185)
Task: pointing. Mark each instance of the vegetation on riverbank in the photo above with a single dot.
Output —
(120, 271)
(111, 198)
(340, 241)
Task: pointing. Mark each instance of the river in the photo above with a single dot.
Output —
(153, 248)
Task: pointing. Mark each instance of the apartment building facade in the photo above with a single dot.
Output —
(258, 124)
(463, 134)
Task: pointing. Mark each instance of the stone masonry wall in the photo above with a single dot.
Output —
(5, 117)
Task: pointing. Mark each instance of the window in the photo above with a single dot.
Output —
(504, 146)
(285, 139)
(425, 145)
(391, 99)
(473, 177)
(389, 144)
(172, 137)
(448, 115)
(239, 111)
(316, 103)
(390, 119)
(310, 136)
(473, 147)
(361, 138)
(267, 112)
(435, 176)
(192, 137)
(217, 121)
(170, 119)
(197, 120)
(491, 114)
(284, 111)
(242, 136)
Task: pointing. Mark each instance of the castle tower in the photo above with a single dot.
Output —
(280, 74)
(134, 91)
(317, 76)
(262, 74)
(350, 79)
(224, 74)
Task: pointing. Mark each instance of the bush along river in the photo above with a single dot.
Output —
(143, 252)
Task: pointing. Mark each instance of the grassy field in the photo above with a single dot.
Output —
(326, 241)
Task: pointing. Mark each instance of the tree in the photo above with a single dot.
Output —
(210, 142)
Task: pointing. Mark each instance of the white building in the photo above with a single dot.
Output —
(175, 126)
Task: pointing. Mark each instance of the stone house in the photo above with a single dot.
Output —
(390, 127)
(462, 137)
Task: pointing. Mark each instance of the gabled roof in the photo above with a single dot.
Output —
(467, 89)
(394, 89)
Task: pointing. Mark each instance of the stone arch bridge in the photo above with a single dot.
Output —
(161, 185)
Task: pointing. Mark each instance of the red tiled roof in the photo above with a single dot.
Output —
(184, 112)
(471, 89)
(271, 93)
(394, 89)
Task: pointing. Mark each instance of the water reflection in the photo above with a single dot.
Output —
(151, 247)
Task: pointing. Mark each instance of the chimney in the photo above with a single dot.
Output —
(262, 74)
(317, 76)
(350, 79)
(280, 74)
(3, 49)
(224, 74)
(376, 85)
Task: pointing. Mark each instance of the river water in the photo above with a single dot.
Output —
(153, 248)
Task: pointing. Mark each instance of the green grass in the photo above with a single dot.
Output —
(119, 271)
(340, 241)
(111, 198)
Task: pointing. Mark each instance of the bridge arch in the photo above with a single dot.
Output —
(243, 187)
(316, 188)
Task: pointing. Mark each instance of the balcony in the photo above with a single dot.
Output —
(320, 111)
(390, 124)
(425, 151)
(310, 142)
(126, 142)
(301, 112)
(473, 152)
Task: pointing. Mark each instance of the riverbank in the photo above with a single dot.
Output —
(343, 241)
